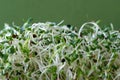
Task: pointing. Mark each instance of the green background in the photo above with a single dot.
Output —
(74, 12)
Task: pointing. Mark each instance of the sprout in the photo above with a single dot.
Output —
(50, 51)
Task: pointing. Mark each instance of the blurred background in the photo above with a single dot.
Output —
(74, 12)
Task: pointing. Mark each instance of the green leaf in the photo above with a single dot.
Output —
(27, 59)
(12, 50)
(18, 64)
(25, 48)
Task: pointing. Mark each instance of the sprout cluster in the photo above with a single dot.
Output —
(50, 51)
